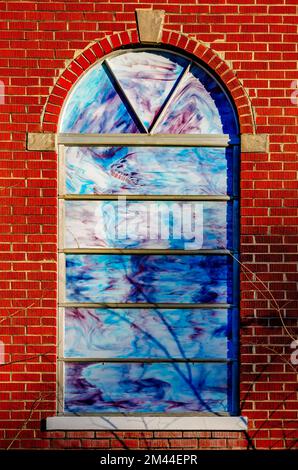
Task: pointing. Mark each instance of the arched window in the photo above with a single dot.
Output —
(148, 239)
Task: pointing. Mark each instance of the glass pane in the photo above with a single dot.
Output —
(146, 333)
(147, 78)
(147, 224)
(148, 278)
(172, 388)
(148, 170)
(192, 109)
(199, 106)
(222, 102)
(95, 107)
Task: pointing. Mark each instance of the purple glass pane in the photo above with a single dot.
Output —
(147, 79)
(147, 170)
(146, 333)
(155, 388)
(192, 109)
(95, 107)
(148, 278)
(146, 224)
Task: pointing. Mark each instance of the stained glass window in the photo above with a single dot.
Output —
(148, 239)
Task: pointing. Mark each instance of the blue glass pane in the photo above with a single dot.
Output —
(95, 107)
(222, 103)
(148, 278)
(147, 79)
(148, 170)
(146, 333)
(147, 224)
(172, 388)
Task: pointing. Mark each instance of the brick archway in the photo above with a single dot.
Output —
(117, 41)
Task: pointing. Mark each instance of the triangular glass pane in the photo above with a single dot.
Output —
(94, 106)
(147, 79)
(192, 110)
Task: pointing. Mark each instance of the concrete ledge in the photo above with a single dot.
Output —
(40, 141)
(254, 143)
(135, 423)
(150, 24)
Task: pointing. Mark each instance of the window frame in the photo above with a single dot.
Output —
(179, 140)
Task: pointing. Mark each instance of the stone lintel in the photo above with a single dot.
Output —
(150, 24)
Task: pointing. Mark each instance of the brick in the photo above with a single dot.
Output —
(89, 54)
(66, 444)
(97, 50)
(82, 61)
(106, 46)
(124, 38)
(115, 41)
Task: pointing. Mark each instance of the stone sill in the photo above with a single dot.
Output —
(146, 423)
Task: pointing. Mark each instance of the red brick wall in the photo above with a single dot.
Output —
(252, 45)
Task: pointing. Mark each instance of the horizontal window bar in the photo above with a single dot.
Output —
(142, 360)
(130, 251)
(173, 140)
(142, 305)
(142, 197)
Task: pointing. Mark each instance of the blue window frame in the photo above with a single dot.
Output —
(149, 219)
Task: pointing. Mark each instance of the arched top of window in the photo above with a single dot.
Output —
(148, 91)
